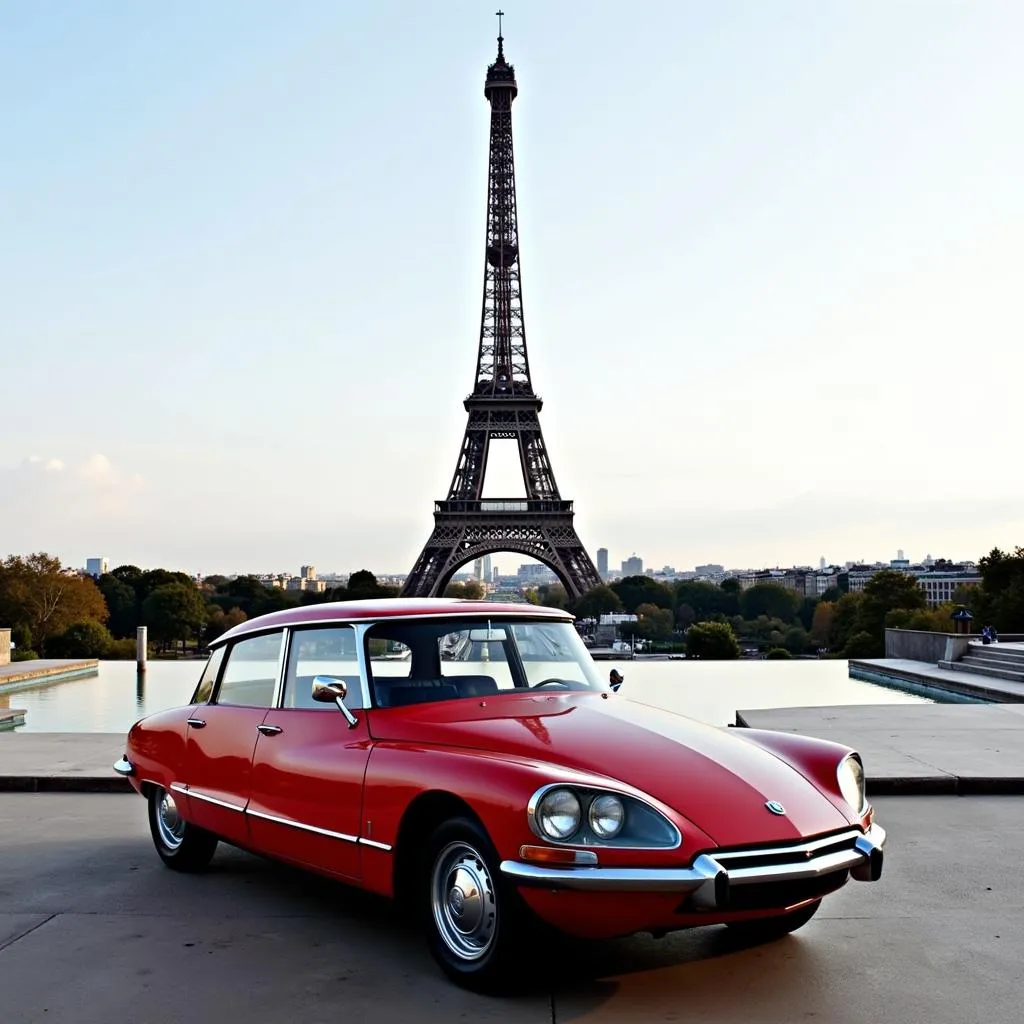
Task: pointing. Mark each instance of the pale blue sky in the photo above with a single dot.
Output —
(772, 272)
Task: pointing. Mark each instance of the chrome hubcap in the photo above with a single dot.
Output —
(463, 901)
(169, 823)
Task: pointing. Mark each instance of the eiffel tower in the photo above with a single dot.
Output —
(503, 406)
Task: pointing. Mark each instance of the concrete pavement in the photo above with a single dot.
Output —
(94, 929)
(917, 748)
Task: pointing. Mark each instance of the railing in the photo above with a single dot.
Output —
(499, 506)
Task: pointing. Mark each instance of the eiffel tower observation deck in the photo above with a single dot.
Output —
(502, 405)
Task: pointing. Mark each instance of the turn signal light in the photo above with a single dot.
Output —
(553, 855)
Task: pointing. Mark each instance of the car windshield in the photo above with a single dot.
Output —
(411, 662)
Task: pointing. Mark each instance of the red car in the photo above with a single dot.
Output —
(468, 759)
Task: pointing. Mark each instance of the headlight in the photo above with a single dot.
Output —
(851, 783)
(558, 813)
(607, 816)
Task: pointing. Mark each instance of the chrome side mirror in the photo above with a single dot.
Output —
(328, 690)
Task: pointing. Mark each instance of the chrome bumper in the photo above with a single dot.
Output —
(711, 875)
(124, 767)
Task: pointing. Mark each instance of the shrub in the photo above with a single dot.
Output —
(713, 641)
(23, 654)
(81, 640)
(777, 654)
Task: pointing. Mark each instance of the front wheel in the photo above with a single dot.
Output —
(475, 922)
(764, 929)
(180, 845)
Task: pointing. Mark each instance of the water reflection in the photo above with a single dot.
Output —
(710, 691)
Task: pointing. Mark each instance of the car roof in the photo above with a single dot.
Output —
(387, 608)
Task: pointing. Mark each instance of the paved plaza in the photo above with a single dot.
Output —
(93, 928)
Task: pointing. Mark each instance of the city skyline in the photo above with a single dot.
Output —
(219, 361)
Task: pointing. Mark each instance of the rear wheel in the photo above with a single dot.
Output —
(764, 929)
(180, 845)
(475, 922)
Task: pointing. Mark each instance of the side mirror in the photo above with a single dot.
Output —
(328, 690)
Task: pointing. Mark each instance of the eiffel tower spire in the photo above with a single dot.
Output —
(502, 404)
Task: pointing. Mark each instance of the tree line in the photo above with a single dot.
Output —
(56, 613)
(710, 620)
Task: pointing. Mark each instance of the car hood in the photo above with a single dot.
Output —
(711, 776)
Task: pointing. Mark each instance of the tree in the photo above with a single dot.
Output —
(597, 601)
(637, 590)
(174, 611)
(822, 622)
(712, 641)
(38, 593)
(805, 612)
(999, 601)
(220, 621)
(81, 640)
(122, 603)
(471, 590)
(552, 595)
(769, 599)
(884, 592)
(707, 600)
(685, 616)
(860, 645)
(796, 640)
(654, 623)
(844, 623)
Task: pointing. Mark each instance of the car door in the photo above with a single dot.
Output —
(222, 735)
(305, 802)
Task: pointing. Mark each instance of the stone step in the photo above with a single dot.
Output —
(978, 669)
(1011, 660)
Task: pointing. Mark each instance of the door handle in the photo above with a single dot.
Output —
(196, 723)
(269, 730)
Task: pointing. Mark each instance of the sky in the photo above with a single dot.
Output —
(771, 261)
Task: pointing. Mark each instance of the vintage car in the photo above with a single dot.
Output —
(469, 760)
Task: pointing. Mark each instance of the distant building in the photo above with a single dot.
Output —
(633, 566)
(710, 570)
(308, 572)
(96, 567)
(602, 562)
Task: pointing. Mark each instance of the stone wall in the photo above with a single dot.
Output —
(920, 645)
(5, 647)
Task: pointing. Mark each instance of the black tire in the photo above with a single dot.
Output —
(476, 923)
(181, 846)
(765, 929)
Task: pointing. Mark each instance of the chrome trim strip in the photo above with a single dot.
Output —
(305, 828)
(708, 878)
(597, 879)
(809, 847)
(179, 787)
(377, 846)
(282, 662)
(123, 766)
(207, 799)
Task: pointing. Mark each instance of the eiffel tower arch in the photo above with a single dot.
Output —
(502, 406)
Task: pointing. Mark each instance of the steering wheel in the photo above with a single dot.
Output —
(551, 683)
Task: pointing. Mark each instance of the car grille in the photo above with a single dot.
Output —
(779, 876)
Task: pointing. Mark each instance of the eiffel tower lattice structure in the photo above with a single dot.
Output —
(503, 406)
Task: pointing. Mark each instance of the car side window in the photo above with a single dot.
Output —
(250, 675)
(208, 678)
(322, 651)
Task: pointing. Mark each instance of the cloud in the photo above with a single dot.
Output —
(48, 503)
